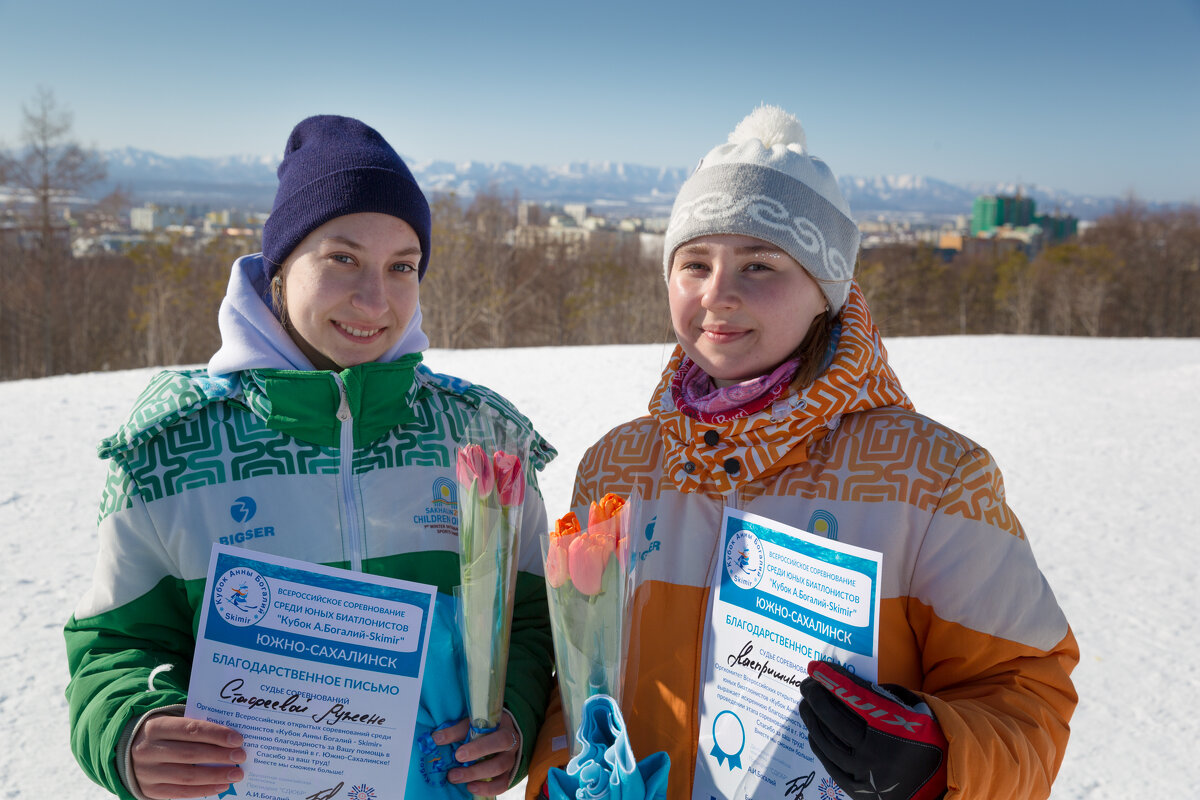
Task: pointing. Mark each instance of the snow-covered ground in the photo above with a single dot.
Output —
(1099, 441)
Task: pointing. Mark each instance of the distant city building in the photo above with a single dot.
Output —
(142, 219)
(996, 211)
(579, 211)
(231, 222)
(570, 237)
(532, 214)
(562, 221)
(106, 243)
(950, 240)
(152, 217)
(882, 232)
(1059, 227)
(561, 230)
(1016, 218)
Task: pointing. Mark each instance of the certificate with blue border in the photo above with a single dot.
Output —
(318, 668)
(780, 597)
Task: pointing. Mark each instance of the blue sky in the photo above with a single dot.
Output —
(1097, 97)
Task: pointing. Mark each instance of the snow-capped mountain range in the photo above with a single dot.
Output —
(248, 182)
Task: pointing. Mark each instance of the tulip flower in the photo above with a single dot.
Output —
(566, 526)
(510, 478)
(491, 483)
(587, 559)
(474, 469)
(605, 510)
(557, 569)
(588, 573)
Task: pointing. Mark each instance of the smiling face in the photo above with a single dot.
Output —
(739, 305)
(351, 288)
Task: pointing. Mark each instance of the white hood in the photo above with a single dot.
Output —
(253, 338)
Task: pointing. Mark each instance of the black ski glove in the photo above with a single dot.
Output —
(874, 741)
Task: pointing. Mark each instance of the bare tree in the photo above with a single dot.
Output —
(972, 287)
(51, 167)
(1017, 290)
(175, 296)
(449, 291)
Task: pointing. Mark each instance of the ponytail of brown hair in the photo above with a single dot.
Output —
(813, 348)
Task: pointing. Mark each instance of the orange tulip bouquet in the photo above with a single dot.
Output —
(590, 580)
(491, 494)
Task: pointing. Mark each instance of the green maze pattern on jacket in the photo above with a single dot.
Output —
(180, 436)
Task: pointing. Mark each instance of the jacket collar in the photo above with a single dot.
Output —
(305, 403)
(752, 447)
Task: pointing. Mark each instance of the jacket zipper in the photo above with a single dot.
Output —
(349, 498)
(732, 499)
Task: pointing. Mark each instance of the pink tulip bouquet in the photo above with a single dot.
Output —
(589, 584)
(491, 493)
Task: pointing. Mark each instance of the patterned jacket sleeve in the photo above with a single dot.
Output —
(996, 649)
(114, 643)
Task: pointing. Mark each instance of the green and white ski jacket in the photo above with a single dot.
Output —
(352, 469)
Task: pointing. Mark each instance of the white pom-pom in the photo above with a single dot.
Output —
(771, 125)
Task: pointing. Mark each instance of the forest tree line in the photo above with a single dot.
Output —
(1135, 272)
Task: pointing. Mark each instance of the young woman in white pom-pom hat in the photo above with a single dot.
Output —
(779, 401)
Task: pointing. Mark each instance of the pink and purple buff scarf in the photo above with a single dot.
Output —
(696, 395)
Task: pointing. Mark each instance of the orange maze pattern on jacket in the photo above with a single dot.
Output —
(882, 455)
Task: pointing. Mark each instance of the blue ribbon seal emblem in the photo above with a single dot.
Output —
(719, 752)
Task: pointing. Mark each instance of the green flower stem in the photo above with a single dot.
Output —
(588, 639)
(488, 578)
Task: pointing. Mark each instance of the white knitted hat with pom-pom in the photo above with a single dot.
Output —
(763, 183)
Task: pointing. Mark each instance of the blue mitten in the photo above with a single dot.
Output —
(605, 768)
(442, 704)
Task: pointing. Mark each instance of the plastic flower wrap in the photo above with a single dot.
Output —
(590, 583)
(603, 766)
(491, 493)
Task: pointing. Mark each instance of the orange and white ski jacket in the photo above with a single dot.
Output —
(967, 618)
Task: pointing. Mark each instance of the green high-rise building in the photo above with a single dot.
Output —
(993, 211)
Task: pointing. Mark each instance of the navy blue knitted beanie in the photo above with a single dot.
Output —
(333, 166)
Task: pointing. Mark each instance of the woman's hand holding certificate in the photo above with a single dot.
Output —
(180, 757)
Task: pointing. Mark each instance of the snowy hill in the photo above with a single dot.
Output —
(1099, 441)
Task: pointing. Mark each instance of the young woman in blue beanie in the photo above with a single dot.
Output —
(779, 401)
(317, 418)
